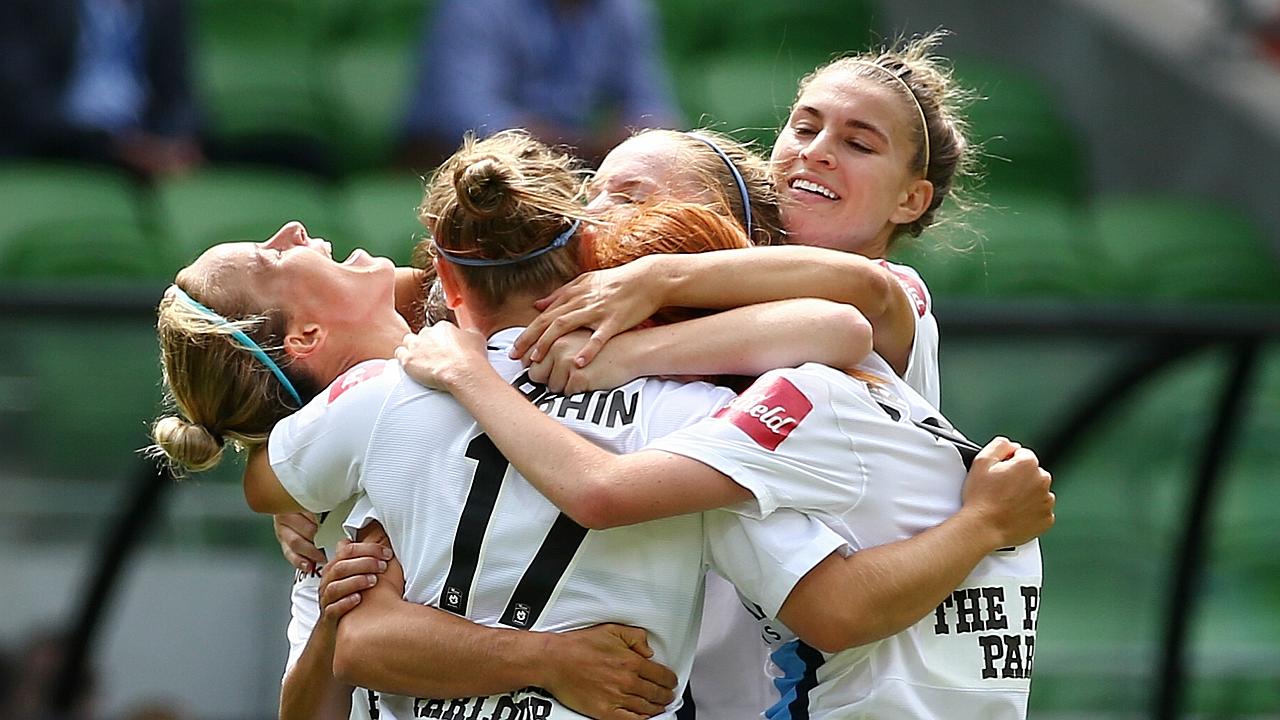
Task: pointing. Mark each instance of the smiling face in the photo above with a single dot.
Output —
(844, 164)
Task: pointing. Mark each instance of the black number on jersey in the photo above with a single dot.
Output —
(549, 564)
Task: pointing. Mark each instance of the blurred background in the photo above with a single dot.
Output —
(1117, 307)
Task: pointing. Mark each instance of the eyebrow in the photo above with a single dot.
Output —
(851, 123)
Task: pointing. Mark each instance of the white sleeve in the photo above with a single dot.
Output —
(304, 613)
(362, 513)
(669, 406)
(922, 362)
(765, 559)
(317, 452)
(782, 440)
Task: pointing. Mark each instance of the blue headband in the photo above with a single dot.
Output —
(247, 342)
(461, 259)
(737, 177)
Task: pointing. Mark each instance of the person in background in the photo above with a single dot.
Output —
(577, 72)
(98, 80)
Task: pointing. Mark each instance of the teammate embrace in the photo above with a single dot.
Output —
(892, 560)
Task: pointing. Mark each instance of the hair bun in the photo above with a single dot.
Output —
(189, 445)
(484, 187)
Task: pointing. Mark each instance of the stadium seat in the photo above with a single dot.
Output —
(1026, 143)
(34, 194)
(380, 215)
(367, 60)
(89, 388)
(254, 63)
(746, 96)
(83, 249)
(1185, 248)
(808, 32)
(222, 204)
(1024, 245)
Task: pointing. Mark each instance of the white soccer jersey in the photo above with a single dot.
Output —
(877, 464)
(729, 681)
(304, 609)
(922, 363)
(476, 539)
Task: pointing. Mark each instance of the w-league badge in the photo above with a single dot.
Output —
(520, 618)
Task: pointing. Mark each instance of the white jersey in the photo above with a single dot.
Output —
(877, 464)
(922, 363)
(477, 540)
(304, 608)
(729, 681)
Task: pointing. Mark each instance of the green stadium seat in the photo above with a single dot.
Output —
(83, 249)
(368, 63)
(33, 195)
(808, 32)
(1025, 245)
(746, 96)
(381, 215)
(222, 204)
(89, 388)
(1183, 248)
(1026, 142)
(254, 62)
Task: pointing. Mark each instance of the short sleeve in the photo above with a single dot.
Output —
(317, 452)
(765, 559)
(782, 441)
(304, 613)
(922, 363)
(362, 513)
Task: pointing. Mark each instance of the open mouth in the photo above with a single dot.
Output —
(814, 188)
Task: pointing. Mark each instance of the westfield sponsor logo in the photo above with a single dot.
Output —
(768, 413)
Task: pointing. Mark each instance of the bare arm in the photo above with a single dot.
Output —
(613, 300)
(750, 340)
(884, 590)
(595, 487)
(262, 489)
(310, 690)
(392, 645)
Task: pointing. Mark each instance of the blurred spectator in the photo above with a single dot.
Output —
(98, 80)
(578, 72)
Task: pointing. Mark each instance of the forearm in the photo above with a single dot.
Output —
(310, 690)
(733, 278)
(594, 487)
(394, 646)
(749, 340)
(886, 589)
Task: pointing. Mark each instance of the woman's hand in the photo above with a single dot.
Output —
(354, 569)
(606, 672)
(440, 355)
(607, 301)
(1009, 488)
(296, 533)
(561, 373)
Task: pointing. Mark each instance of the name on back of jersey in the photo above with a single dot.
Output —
(606, 408)
(528, 704)
(768, 411)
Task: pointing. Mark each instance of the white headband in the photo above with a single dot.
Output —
(924, 124)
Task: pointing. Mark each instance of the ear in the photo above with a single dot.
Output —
(300, 342)
(913, 202)
(449, 282)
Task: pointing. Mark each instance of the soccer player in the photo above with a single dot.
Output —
(300, 272)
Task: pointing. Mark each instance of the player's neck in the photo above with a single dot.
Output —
(517, 311)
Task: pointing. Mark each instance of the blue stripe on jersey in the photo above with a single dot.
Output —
(799, 664)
